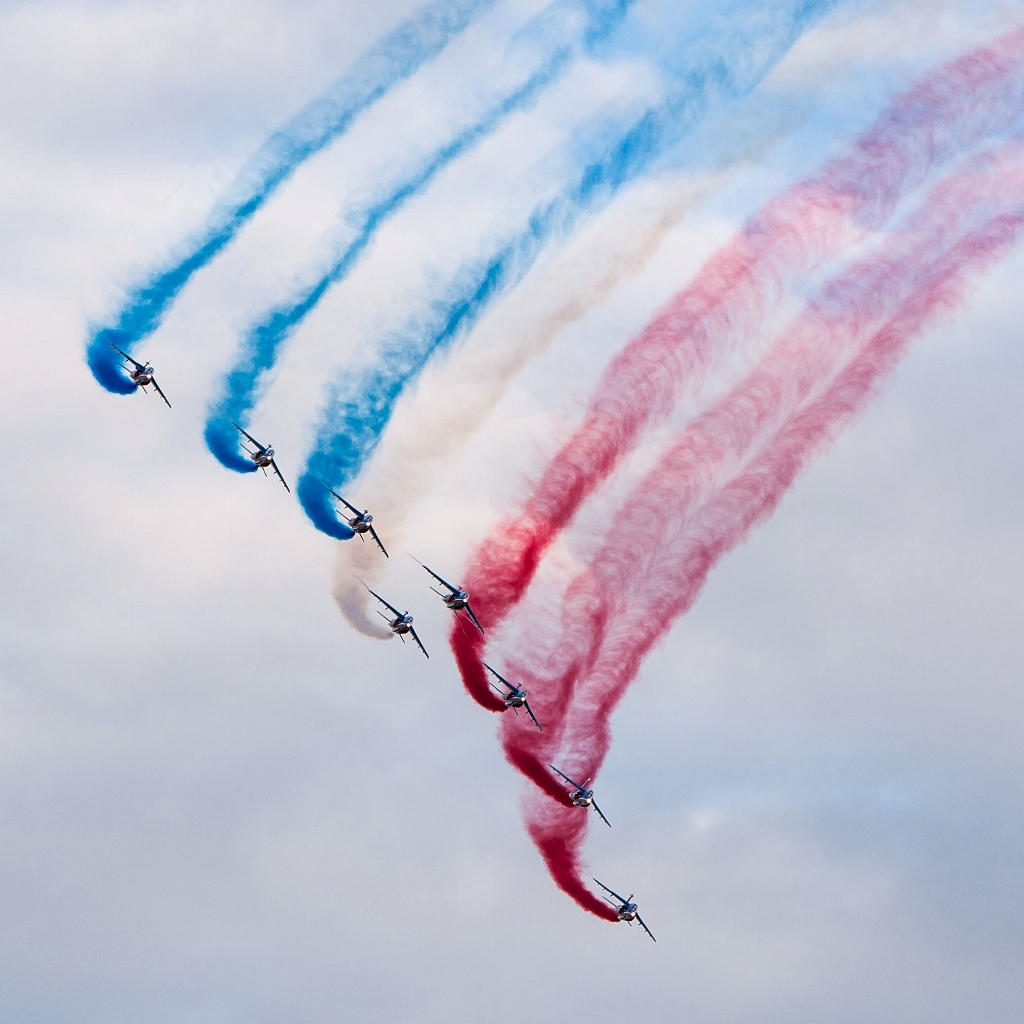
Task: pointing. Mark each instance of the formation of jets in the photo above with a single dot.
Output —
(455, 598)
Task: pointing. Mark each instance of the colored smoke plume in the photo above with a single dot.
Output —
(551, 41)
(396, 57)
(456, 397)
(639, 582)
(724, 62)
(686, 551)
(964, 103)
(558, 833)
(677, 524)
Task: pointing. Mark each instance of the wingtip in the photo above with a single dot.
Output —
(326, 488)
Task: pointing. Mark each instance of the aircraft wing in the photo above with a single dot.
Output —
(383, 602)
(564, 776)
(351, 508)
(160, 392)
(601, 813)
(419, 643)
(440, 579)
(273, 466)
(495, 674)
(476, 621)
(612, 891)
(640, 921)
(251, 438)
(373, 533)
(529, 711)
(134, 362)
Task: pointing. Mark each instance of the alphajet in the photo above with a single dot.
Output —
(141, 374)
(400, 624)
(625, 909)
(262, 456)
(515, 698)
(582, 797)
(456, 599)
(360, 523)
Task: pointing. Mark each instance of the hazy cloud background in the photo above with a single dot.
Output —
(220, 804)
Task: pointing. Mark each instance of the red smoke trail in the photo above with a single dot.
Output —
(979, 96)
(972, 99)
(558, 832)
(657, 566)
(499, 574)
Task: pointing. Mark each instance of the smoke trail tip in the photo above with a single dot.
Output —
(222, 441)
(534, 769)
(466, 648)
(105, 363)
(315, 499)
(560, 850)
(348, 601)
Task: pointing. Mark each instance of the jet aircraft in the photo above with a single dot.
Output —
(263, 456)
(141, 374)
(626, 909)
(361, 522)
(456, 599)
(582, 797)
(400, 624)
(516, 696)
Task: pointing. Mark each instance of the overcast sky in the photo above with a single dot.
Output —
(218, 803)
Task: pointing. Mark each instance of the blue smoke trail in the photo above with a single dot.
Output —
(396, 57)
(724, 62)
(264, 340)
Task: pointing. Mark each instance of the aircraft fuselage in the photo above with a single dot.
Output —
(583, 798)
(458, 600)
(516, 699)
(142, 377)
(628, 912)
(402, 625)
(262, 459)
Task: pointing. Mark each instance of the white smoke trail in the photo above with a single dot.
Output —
(455, 397)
